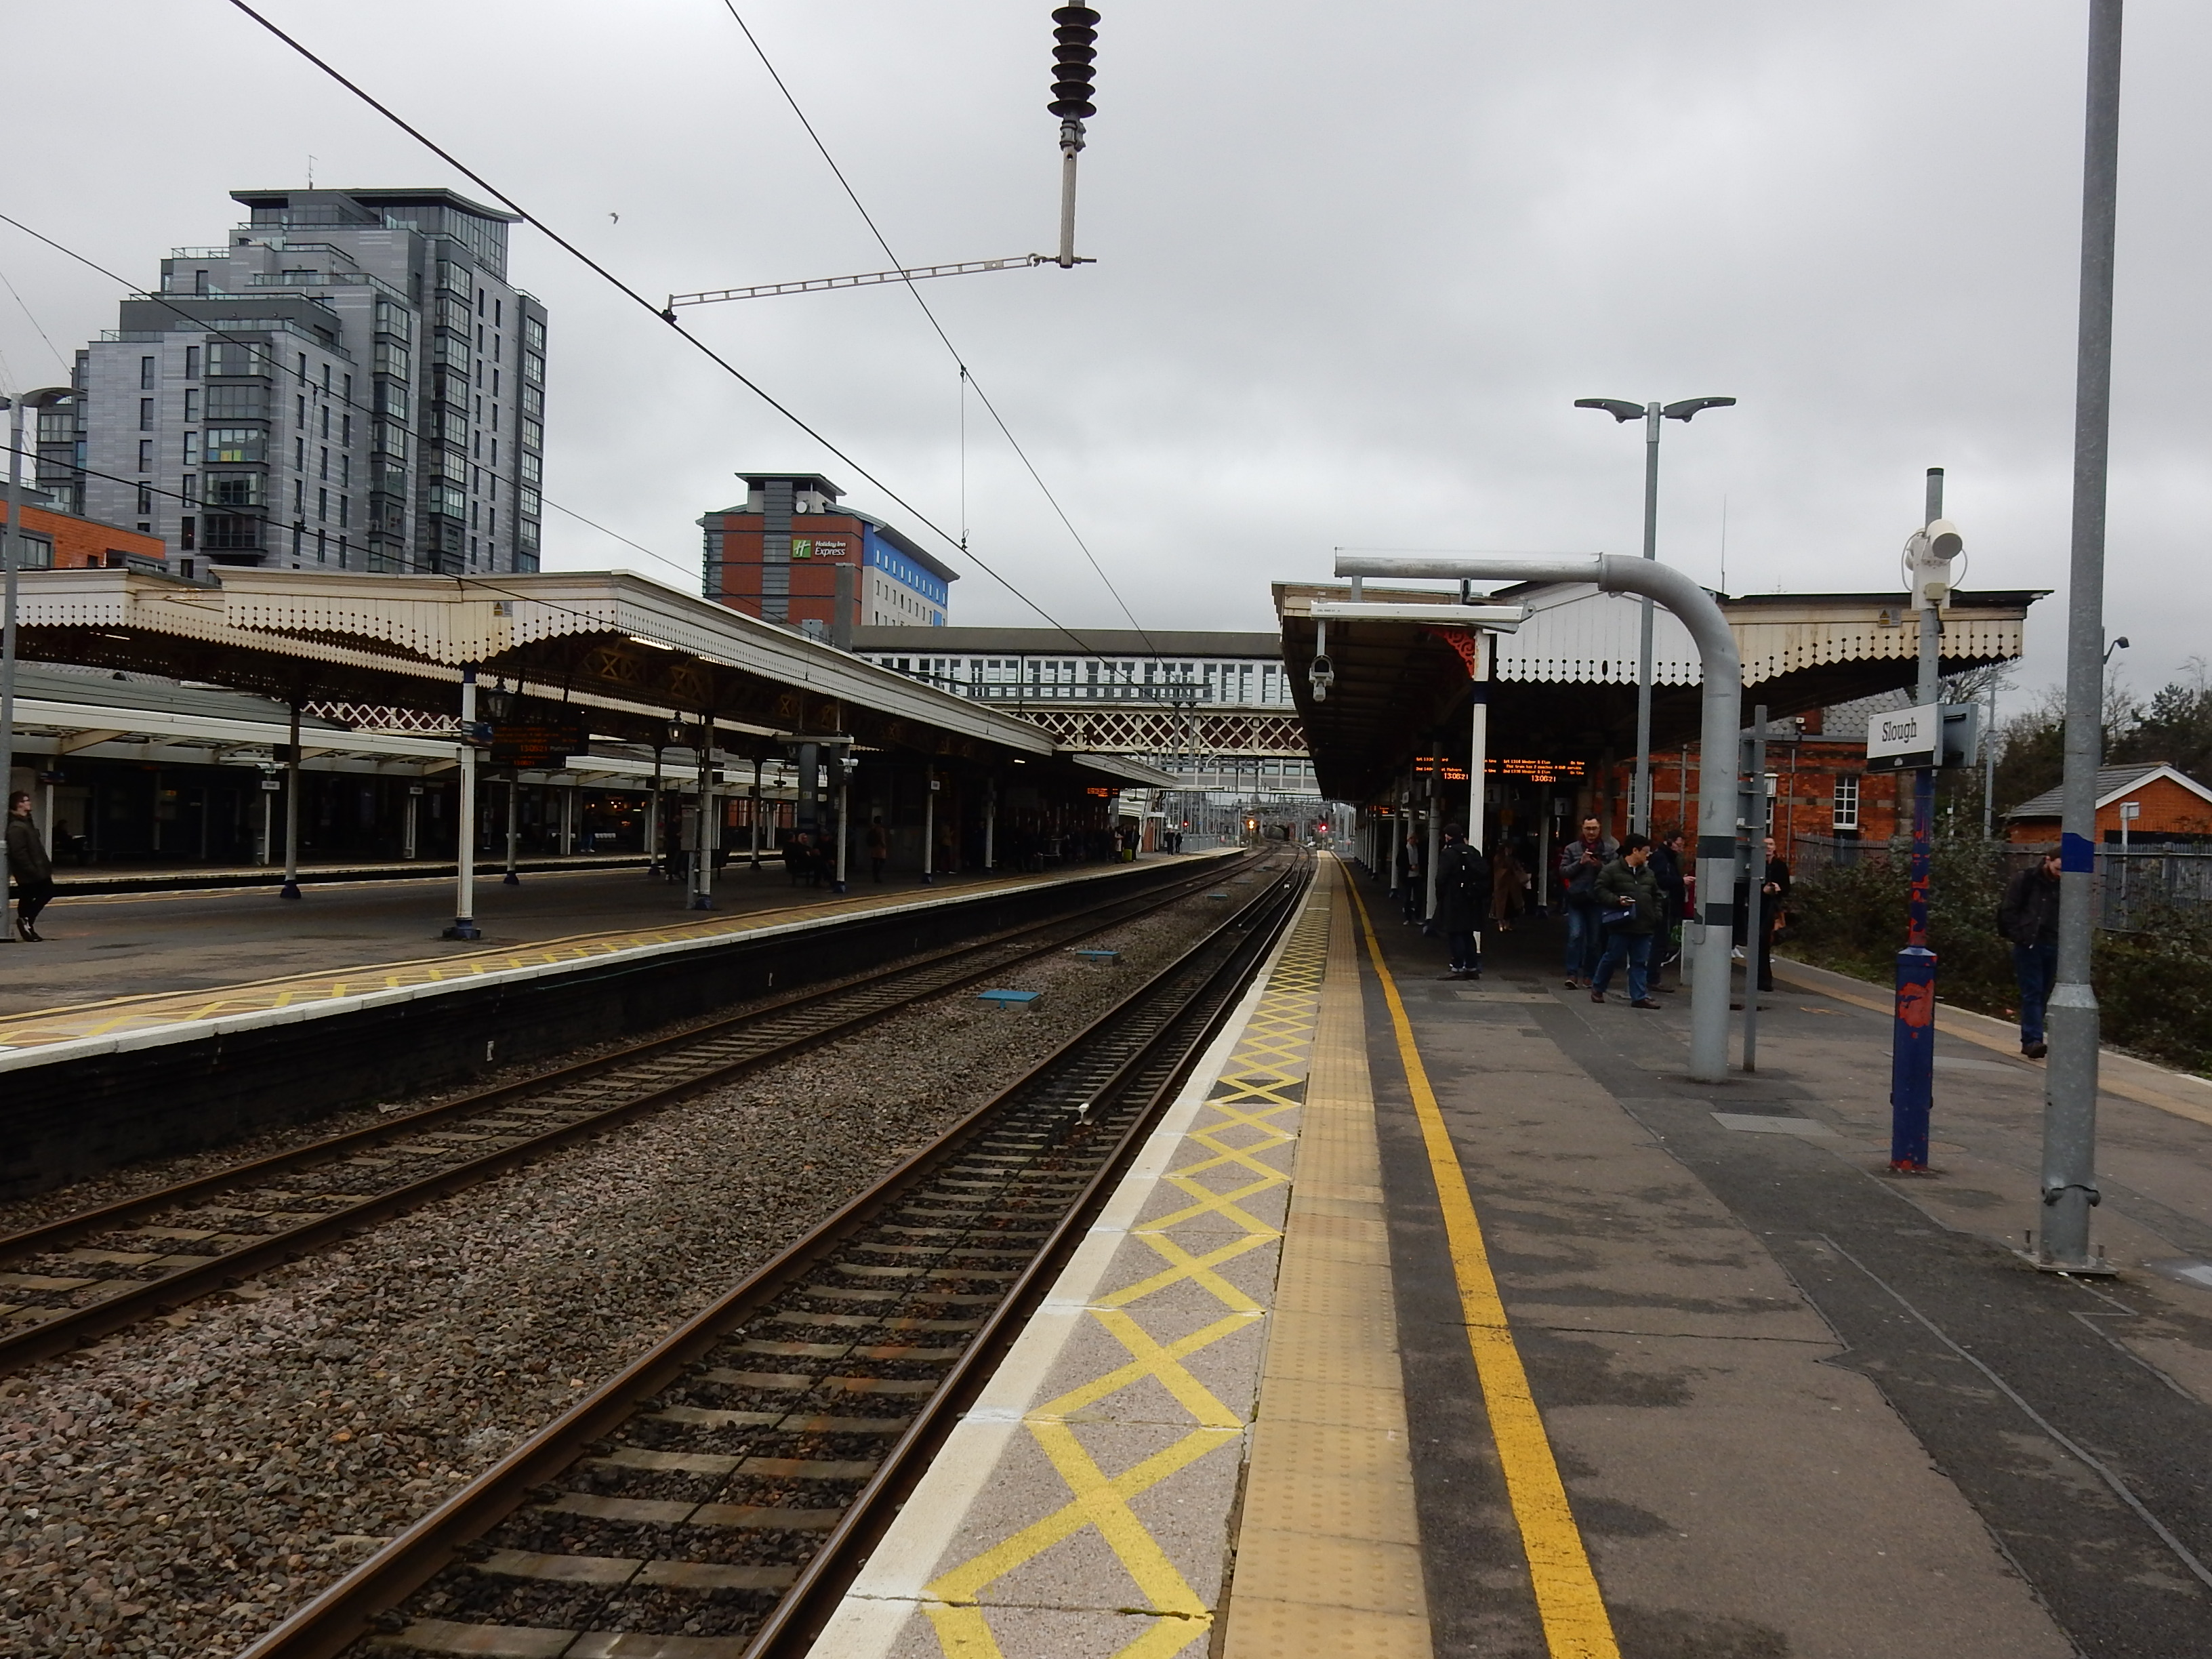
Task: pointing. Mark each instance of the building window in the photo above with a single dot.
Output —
(322, 549)
(234, 489)
(299, 455)
(191, 362)
(533, 436)
(345, 470)
(299, 413)
(324, 472)
(236, 403)
(1846, 812)
(325, 431)
(322, 506)
(345, 511)
(237, 357)
(145, 498)
(191, 404)
(145, 454)
(191, 491)
(533, 369)
(145, 414)
(533, 334)
(232, 443)
(348, 394)
(192, 449)
(188, 529)
(145, 374)
(345, 431)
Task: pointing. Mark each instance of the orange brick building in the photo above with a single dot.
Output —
(2173, 806)
(778, 557)
(55, 540)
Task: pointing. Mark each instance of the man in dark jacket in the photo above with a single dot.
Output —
(1462, 896)
(1774, 893)
(1628, 903)
(32, 871)
(1580, 861)
(2028, 918)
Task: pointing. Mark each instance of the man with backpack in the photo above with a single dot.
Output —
(1463, 895)
(1579, 862)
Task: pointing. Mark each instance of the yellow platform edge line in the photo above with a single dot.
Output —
(1573, 1611)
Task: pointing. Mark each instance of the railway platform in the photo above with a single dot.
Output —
(1453, 1318)
(114, 963)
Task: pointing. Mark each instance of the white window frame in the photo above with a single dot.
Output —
(1843, 804)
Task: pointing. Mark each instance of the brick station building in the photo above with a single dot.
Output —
(54, 539)
(778, 556)
(2174, 806)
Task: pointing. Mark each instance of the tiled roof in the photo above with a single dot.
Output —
(2110, 780)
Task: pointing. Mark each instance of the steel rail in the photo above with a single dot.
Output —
(364, 1599)
(966, 962)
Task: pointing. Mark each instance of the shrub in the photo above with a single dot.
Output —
(2153, 982)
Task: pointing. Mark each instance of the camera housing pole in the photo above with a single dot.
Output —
(1722, 720)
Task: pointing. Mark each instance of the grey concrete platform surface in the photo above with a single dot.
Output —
(1802, 1407)
(112, 944)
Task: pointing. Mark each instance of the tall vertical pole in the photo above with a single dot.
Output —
(1990, 769)
(1754, 919)
(1912, 1028)
(703, 842)
(465, 831)
(991, 825)
(414, 813)
(756, 813)
(843, 833)
(290, 890)
(1436, 829)
(653, 821)
(9, 543)
(928, 825)
(513, 827)
(1478, 764)
(2070, 1112)
(1639, 807)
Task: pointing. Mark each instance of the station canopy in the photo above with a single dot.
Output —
(1562, 687)
(624, 658)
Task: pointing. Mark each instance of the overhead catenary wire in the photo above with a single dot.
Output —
(639, 299)
(967, 375)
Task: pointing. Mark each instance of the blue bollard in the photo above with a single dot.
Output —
(1913, 1059)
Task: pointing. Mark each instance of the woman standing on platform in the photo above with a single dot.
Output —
(27, 863)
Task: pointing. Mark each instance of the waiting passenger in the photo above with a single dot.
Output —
(1508, 887)
(1627, 895)
(28, 868)
(1580, 861)
(1463, 886)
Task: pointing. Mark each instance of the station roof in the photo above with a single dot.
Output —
(1563, 687)
(625, 652)
(1055, 642)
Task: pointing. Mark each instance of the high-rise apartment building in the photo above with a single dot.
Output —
(351, 382)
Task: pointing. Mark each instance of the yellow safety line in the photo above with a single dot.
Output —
(1576, 1624)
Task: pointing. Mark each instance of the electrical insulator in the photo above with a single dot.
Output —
(1076, 29)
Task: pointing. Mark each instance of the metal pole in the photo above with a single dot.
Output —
(1070, 145)
(928, 825)
(1754, 894)
(653, 821)
(1436, 835)
(1639, 807)
(414, 808)
(1912, 1027)
(1990, 769)
(1722, 669)
(702, 851)
(290, 890)
(756, 811)
(9, 542)
(844, 786)
(465, 832)
(991, 825)
(2069, 1115)
(514, 827)
(1478, 765)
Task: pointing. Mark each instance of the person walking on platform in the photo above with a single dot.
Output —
(879, 849)
(1668, 859)
(1628, 901)
(1411, 899)
(1580, 861)
(1773, 892)
(28, 866)
(1508, 887)
(1463, 892)
(2027, 916)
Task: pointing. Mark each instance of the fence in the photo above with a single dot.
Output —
(2167, 875)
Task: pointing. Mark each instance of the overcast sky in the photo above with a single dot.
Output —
(1355, 263)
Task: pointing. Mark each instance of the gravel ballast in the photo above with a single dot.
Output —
(178, 1489)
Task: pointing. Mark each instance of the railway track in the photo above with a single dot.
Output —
(713, 1499)
(84, 1276)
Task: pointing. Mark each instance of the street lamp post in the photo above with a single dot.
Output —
(1639, 807)
(11, 544)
